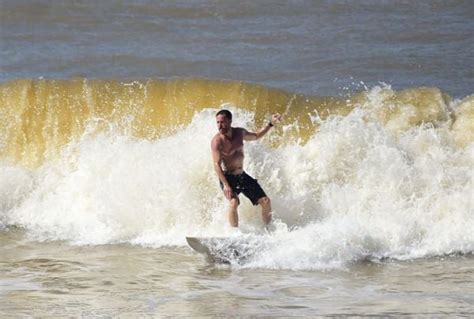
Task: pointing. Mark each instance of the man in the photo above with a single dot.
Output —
(228, 155)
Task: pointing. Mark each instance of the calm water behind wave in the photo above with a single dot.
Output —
(310, 47)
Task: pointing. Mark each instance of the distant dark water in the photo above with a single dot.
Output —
(311, 47)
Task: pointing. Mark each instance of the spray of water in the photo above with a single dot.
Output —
(358, 188)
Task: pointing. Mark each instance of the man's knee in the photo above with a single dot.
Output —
(264, 201)
(234, 202)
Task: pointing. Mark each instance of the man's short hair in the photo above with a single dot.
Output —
(226, 113)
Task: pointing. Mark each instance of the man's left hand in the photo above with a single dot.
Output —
(276, 118)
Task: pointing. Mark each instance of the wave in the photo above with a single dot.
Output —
(41, 116)
(379, 174)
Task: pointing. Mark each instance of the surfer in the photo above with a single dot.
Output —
(228, 156)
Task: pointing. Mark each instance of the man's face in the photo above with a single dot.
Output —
(223, 124)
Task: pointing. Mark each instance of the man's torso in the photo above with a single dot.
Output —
(232, 151)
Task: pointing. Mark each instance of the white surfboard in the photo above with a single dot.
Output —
(222, 250)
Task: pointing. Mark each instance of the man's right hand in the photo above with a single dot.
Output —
(228, 192)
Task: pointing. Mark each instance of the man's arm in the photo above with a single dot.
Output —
(252, 136)
(217, 158)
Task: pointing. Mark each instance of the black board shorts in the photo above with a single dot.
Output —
(243, 183)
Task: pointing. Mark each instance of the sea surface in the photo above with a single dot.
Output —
(107, 109)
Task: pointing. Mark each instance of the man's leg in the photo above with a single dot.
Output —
(233, 216)
(266, 209)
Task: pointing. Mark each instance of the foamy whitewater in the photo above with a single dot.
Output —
(355, 190)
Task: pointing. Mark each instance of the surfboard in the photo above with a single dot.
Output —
(222, 250)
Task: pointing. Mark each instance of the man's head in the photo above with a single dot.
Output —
(224, 121)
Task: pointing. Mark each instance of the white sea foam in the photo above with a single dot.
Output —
(355, 190)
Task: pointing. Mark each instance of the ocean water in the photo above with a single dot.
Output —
(107, 112)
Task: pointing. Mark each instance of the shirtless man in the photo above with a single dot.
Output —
(228, 155)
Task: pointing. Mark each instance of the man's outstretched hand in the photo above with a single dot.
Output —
(276, 118)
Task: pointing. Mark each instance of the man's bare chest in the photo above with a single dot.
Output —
(233, 146)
